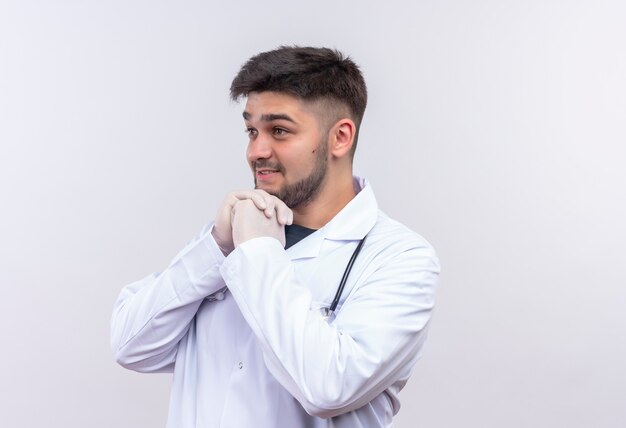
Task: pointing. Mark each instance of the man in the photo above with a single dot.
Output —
(244, 315)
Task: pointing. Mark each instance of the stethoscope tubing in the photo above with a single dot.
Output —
(344, 278)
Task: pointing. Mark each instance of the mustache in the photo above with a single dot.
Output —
(264, 163)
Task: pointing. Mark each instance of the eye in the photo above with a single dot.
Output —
(251, 132)
(279, 132)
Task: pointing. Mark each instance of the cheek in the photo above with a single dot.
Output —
(248, 153)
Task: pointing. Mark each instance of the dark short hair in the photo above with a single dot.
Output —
(307, 73)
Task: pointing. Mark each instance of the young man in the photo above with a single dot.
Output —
(249, 316)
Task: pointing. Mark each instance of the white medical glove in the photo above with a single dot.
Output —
(268, 204)
(249, 222)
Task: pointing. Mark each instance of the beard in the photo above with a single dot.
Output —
(304, 191)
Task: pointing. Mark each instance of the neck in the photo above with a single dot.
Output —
(335, 194)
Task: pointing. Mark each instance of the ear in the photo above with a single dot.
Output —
(341, 137)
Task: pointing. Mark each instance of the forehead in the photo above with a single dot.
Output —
(270, 104)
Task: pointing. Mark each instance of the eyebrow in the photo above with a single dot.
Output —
(270, 117)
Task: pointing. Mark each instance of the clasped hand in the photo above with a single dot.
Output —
(249, 214)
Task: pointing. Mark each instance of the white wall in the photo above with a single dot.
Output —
(495, 128)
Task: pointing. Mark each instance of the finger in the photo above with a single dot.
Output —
(271, 207)
(262, 200)
(283, 213)
(270, 202)
(259, 200)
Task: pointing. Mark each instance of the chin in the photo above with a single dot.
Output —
(269, 189)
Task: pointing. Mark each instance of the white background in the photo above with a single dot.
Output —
(496, 129)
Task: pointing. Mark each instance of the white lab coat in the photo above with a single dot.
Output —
(263, 356)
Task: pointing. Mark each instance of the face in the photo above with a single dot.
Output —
(287, 149)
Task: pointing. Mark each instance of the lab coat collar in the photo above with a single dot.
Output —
(352, 223)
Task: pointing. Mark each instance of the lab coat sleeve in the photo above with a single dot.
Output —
(333, 368)
(151, 316)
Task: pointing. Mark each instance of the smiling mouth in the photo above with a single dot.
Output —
(266, 171)
(266, 175)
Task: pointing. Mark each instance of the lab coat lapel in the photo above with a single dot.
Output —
(307, 248)
(357, 218)
(352, 223)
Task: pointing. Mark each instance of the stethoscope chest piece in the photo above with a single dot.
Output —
(327, 314)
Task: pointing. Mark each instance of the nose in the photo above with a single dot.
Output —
(259, 148)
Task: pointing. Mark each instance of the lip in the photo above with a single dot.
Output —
(266, 174)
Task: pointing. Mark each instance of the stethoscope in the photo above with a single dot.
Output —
(327, 313)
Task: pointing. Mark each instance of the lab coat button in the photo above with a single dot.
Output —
(240, 365)
(219, 296)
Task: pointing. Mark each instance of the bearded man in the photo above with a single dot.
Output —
(302, 304)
